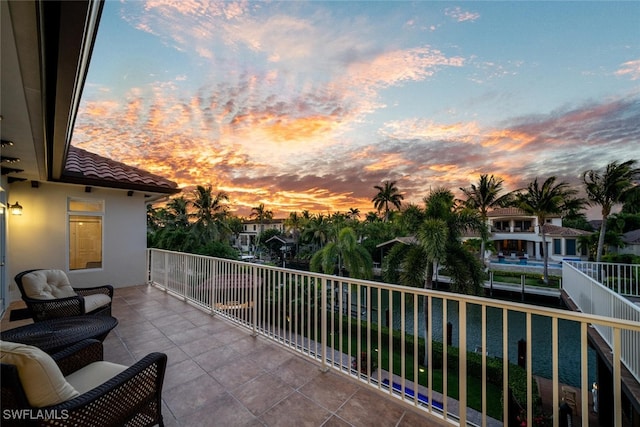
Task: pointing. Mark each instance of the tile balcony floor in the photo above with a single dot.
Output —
(219, 375)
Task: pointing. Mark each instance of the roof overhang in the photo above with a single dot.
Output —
(46, 47)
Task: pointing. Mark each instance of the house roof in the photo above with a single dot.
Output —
(631, 237)
(85, 168)
(512, 212)
(555, 230)
(595, 223)
(282, 239)
(409, 240)
(264, 221)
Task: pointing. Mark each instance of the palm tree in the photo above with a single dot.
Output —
(261, 213)
(433, 237)
(294, 224)
(371, 217)
(439, 239)
(440, 236)
(410, 220)
(346, 251)
(175, 231)
(209, 210)
(486, 195)
(388, 194)
(177, 210)
(631, 203)
(607, 189)
(354, 213)
(542, 201)
(317, 231)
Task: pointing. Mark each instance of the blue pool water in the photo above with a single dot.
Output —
(528, 263)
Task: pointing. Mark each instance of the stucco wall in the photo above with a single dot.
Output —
(39, 237)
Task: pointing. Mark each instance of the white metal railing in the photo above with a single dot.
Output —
(592, 297)
(623, 279)
(335, 320)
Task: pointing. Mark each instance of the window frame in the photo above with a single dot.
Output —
(85, 213)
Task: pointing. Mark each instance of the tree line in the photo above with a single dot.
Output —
(344, 243)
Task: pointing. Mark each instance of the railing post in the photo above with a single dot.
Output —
(212, 281)
(323, 319)
(617, 378)
(257, 301)
(166, 270)
(462, 361)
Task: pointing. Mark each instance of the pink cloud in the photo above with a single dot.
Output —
(460, 15)
(630, 69)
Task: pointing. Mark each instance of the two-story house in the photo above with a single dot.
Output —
(517, 234)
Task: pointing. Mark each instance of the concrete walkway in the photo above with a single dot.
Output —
(545, 386)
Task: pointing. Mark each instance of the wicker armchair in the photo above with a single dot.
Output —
(131, 398)
(49, 295)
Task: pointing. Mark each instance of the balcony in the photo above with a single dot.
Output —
(218, 374)
(246, 345)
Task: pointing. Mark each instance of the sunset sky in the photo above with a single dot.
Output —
(308, 105)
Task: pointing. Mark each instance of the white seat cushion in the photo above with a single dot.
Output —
(47, 284)
(41, 378)
(92, 302)
(93, 375)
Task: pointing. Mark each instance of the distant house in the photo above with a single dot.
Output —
(285, 245)
(631, 241)
(251, 229)
(516, 234)
(80, 212)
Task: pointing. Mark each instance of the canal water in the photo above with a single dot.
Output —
(569, 365)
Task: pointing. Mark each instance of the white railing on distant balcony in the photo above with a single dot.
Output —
(335, 320)
(592, 297)
(623, 279)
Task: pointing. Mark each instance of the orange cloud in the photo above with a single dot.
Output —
(507, 139)
(296, 129)
(389, 162)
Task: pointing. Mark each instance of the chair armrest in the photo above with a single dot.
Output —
(13, 396)
(134, 396)
(44, 309)
(78, 356)
(105, 289)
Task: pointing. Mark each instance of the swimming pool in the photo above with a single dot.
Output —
(526, 262)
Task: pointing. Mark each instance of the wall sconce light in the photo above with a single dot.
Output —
(16, 209)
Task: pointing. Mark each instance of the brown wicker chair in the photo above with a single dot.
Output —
(131, 398)
(43, 308)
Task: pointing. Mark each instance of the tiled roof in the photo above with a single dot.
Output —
(631, 237)
(554, 230)
(512, 212)
(264, 221)
(83, 167)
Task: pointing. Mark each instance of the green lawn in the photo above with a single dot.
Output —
(474, 384)
(530, 279)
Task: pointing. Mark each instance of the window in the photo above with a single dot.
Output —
(557, 246)
(85, 233)
(571, 246)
